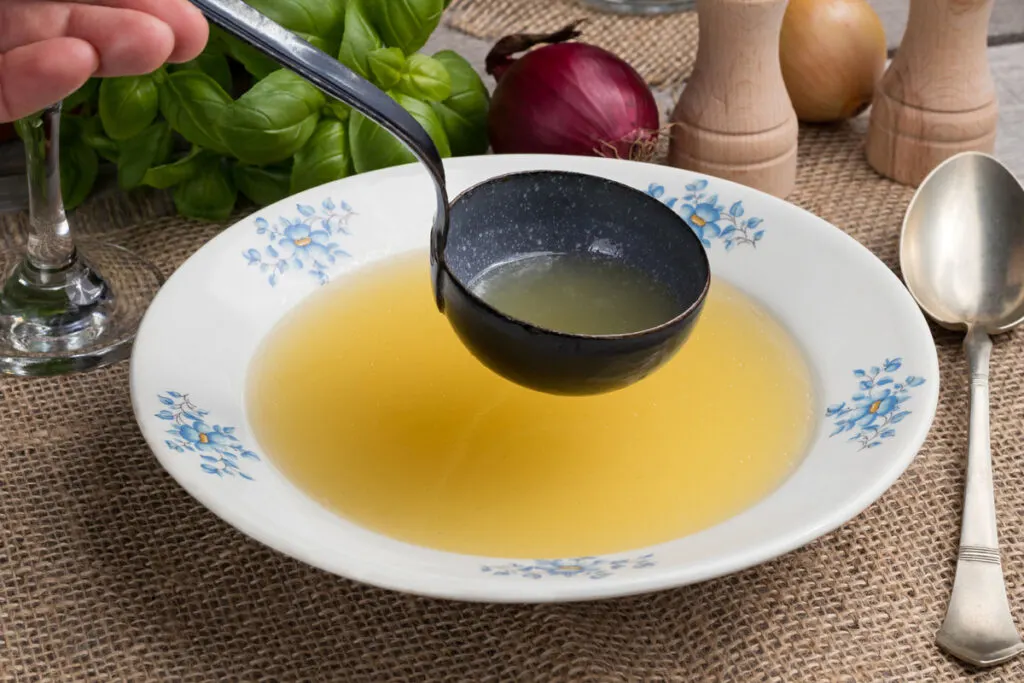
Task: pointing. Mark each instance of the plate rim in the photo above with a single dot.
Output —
(624, 585)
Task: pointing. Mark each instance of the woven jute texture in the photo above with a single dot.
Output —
(110, 572)
(660, 48)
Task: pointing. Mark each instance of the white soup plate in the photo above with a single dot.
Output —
(869, 347)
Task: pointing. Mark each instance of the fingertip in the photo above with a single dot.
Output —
(30, 79)
(81, 56)
(144, 50)
(191, 35)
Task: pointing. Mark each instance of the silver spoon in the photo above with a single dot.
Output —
(962, 256)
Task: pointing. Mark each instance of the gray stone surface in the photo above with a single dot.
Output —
(1006, 25)
(1008, 68)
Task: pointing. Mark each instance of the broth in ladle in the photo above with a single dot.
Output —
(576, 294)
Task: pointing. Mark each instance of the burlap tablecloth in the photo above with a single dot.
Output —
(110, 572)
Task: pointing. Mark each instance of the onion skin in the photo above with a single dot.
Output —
(570, 98)
(832, 54)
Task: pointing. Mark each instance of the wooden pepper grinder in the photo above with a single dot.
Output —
(937, 97)
(734, 120)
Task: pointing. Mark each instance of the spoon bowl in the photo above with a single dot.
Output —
(962, 255)
(962, 248)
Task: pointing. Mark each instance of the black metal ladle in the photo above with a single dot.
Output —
(504, 218)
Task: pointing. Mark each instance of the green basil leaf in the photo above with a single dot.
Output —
(405, 24)
(322, 18)
(192, 102)
(425, 78)
(84, 97)
(262, 186)
(464, 113)
(386, 65)
(359, 40)
(255, 62)
(374, 148)
(79, 167)
(272, 121)
(128, 104)
(212, 63)
(338, 110)
(91, 133)
(149, 148)
(208, 195)
(169, 175)
(71, 126)
(324, 158)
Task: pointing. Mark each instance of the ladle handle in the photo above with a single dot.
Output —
(333, 78)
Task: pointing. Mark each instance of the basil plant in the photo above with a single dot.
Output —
(234, 123)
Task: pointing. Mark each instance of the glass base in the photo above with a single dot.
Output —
(640, 6)
(80, 317)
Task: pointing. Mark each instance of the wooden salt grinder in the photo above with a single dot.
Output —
(734, 120)
(937, 97)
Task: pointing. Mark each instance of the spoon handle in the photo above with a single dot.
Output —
(332, 77)
(979, 628)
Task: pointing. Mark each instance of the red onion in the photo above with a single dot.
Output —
(568, 98)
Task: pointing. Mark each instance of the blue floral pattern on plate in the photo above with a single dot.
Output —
(219, 450)
(711, 220)
(588, 567)
(876, 407)
(304, 243)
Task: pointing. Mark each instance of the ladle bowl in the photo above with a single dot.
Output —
(559, 213)
(565, 213)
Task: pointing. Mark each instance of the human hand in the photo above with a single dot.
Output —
(50, 48)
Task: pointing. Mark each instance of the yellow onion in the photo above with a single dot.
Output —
(832, 53)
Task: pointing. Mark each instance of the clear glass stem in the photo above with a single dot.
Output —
(52, 268)
(57, 314)
(50, 246)
(52, 301)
